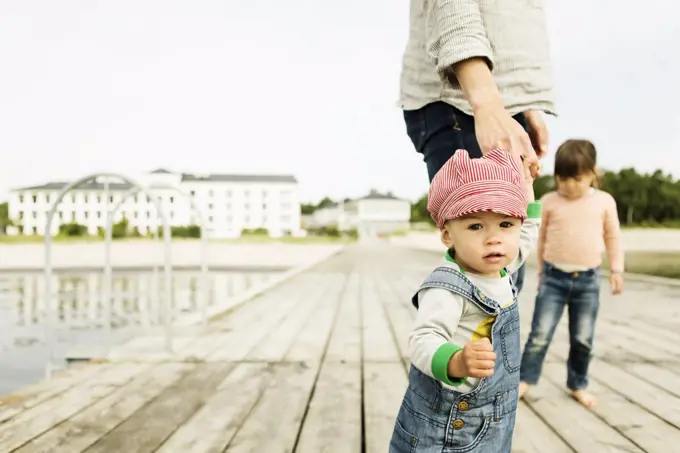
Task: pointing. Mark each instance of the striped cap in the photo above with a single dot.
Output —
(463, 185)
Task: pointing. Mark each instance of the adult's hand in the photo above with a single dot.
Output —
(495, 128)
(538, 132)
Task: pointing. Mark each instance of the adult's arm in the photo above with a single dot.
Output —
(457, 40)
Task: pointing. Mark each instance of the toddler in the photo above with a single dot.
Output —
(465, 347)
(576, 219)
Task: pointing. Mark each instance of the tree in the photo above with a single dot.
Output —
(419, 212)
(4, 218)
(324, 203)
(307, 209)
(642, 199)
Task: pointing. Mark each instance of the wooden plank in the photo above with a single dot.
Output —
(312, 341)
(641, 392)
(276, 343)
(31, 423)
(31, 396)
(378, 342)
(214, 425)
(345, 343)
(532, 434)
(400, 318)
(150, 426)
(245, 337)
(294, 382)
(581, 428)
(86, 427)
(222, 330)
(384, 387)
(333, 421)
(642, 427)
(658, 374)
(274, 424)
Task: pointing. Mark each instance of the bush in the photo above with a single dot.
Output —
(72, 229)
(255, 232)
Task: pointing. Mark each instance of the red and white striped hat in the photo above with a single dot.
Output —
(463, 185)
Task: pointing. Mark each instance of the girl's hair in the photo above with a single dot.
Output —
(576, 157)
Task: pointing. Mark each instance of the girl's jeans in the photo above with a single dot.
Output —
(580, 293)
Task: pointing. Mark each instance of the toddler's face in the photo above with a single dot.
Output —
(485, 242)
(575, 187)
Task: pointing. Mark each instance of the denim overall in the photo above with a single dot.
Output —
(435, 419)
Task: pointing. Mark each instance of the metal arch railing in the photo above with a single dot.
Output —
(52, 311)
(204, 240)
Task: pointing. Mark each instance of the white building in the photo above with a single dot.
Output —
(229, 204)
(372, 215)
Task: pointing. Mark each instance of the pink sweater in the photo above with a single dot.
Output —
(572, 231)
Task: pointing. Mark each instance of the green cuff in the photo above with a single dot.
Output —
(440, 364)
(534, 210)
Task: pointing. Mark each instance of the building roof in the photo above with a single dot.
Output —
(375, 195)
(215, 177)
(92, 185)
(186, 177)
(161, 171)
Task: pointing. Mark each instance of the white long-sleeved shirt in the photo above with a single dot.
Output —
(510, 34)
(444, 317)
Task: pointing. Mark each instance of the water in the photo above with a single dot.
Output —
(135, 307)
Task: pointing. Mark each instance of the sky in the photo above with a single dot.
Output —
(301, 87)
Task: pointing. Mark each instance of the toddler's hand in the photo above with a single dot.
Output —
(616, 282)
(476, 360)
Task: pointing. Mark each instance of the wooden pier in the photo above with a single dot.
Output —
(318, 364)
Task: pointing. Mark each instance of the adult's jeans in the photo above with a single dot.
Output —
(437, 131)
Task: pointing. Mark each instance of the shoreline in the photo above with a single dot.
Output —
(149, 254)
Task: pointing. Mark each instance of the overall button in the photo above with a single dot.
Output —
(458, 424)
(463, 406)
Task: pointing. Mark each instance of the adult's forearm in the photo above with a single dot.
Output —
(475, 79)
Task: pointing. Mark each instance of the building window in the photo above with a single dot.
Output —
(172, 199)
(21, 198)
(35, 198)
(210, 193)
(193, 193)
(264, 205)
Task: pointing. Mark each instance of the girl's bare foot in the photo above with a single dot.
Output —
(583, 397)
(523, 388)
